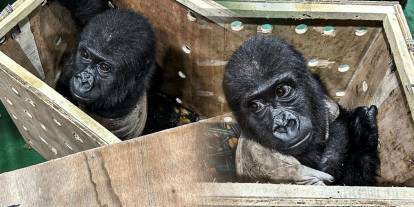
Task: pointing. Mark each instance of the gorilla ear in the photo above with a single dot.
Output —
(333, 109)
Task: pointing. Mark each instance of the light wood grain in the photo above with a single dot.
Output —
(402, 56)
(252, 194)
(21, 11)
(160, 169)
(357, 10)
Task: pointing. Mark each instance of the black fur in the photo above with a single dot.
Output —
(125, 40)
(84, 10)
(281, 121)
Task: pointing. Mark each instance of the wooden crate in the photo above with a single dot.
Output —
(195, 38)
(167, 169)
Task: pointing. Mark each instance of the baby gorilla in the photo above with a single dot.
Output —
(110, 72)
(282, 106)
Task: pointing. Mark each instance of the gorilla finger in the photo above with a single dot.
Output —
(373, 111)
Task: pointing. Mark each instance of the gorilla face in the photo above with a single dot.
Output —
(279, 112)
(95, 76)
(114, 59)
(274, 97)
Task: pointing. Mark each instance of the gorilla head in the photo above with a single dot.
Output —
(113, 61)
(273, 95)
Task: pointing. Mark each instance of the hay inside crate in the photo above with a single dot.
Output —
(195, 38)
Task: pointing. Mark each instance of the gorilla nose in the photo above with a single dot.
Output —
(84, 82)
(86, 78)
(284, 126)
(284, 123)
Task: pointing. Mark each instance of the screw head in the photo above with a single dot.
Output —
(313, 62)
(328, 30)
(343, 68)
(236, 26)
(301, 28)
(266, 28)
(360, 31)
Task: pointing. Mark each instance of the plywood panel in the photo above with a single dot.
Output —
(56, 36)
(371, 70)
(212, 44)
(344, 47)
(202, 65)
(12, 49)
(376, 82)
(133, 173)
(396, 140)
(253, 194)
(155, 170)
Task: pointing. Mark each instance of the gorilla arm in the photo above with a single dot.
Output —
(336, 149)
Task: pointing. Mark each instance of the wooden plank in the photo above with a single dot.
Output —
(133, 173)
(212, 45)
(396, 144)
(202, 64)
(55, 38)
(21, 11)
(13, 50)
(371, 70)
(50, 123)
(253, 194)
(154, 170)
(402, 57)
(375, 82)
(342, 48)
(309, 10)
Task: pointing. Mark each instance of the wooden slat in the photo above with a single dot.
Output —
(133, 173)
(13, 50)
(154, 170)
(55, 38)
(373, 65)
(341, 10)
(402, 57)
(21, 11)
(50, 123)
(253, 194)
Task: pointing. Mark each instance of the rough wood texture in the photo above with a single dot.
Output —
(55, 38)
(403, 58)
(22, 8)
(396, 141)
(131, 173)
(313, 9)
(13, 50)
(252, 194)
(212, 45)
(371, 70)
(343, 48)
(49, 123)
(376, 74)
(202, 64)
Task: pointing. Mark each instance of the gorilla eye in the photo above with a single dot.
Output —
(104, 67)
(256, 106)
(84, 53)
(282, 90)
